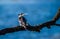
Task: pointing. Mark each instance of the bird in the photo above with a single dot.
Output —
(22, 20)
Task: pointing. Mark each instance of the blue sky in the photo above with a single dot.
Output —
(38, 11)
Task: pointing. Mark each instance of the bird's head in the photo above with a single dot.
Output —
(21, 14)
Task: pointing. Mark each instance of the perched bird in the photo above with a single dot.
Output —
(22, 20)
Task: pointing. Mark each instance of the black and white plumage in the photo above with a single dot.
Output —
(22, 20)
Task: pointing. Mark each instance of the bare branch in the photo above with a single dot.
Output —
(57, 16)
(32, 28)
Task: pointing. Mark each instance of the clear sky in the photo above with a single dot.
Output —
(38, 11)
